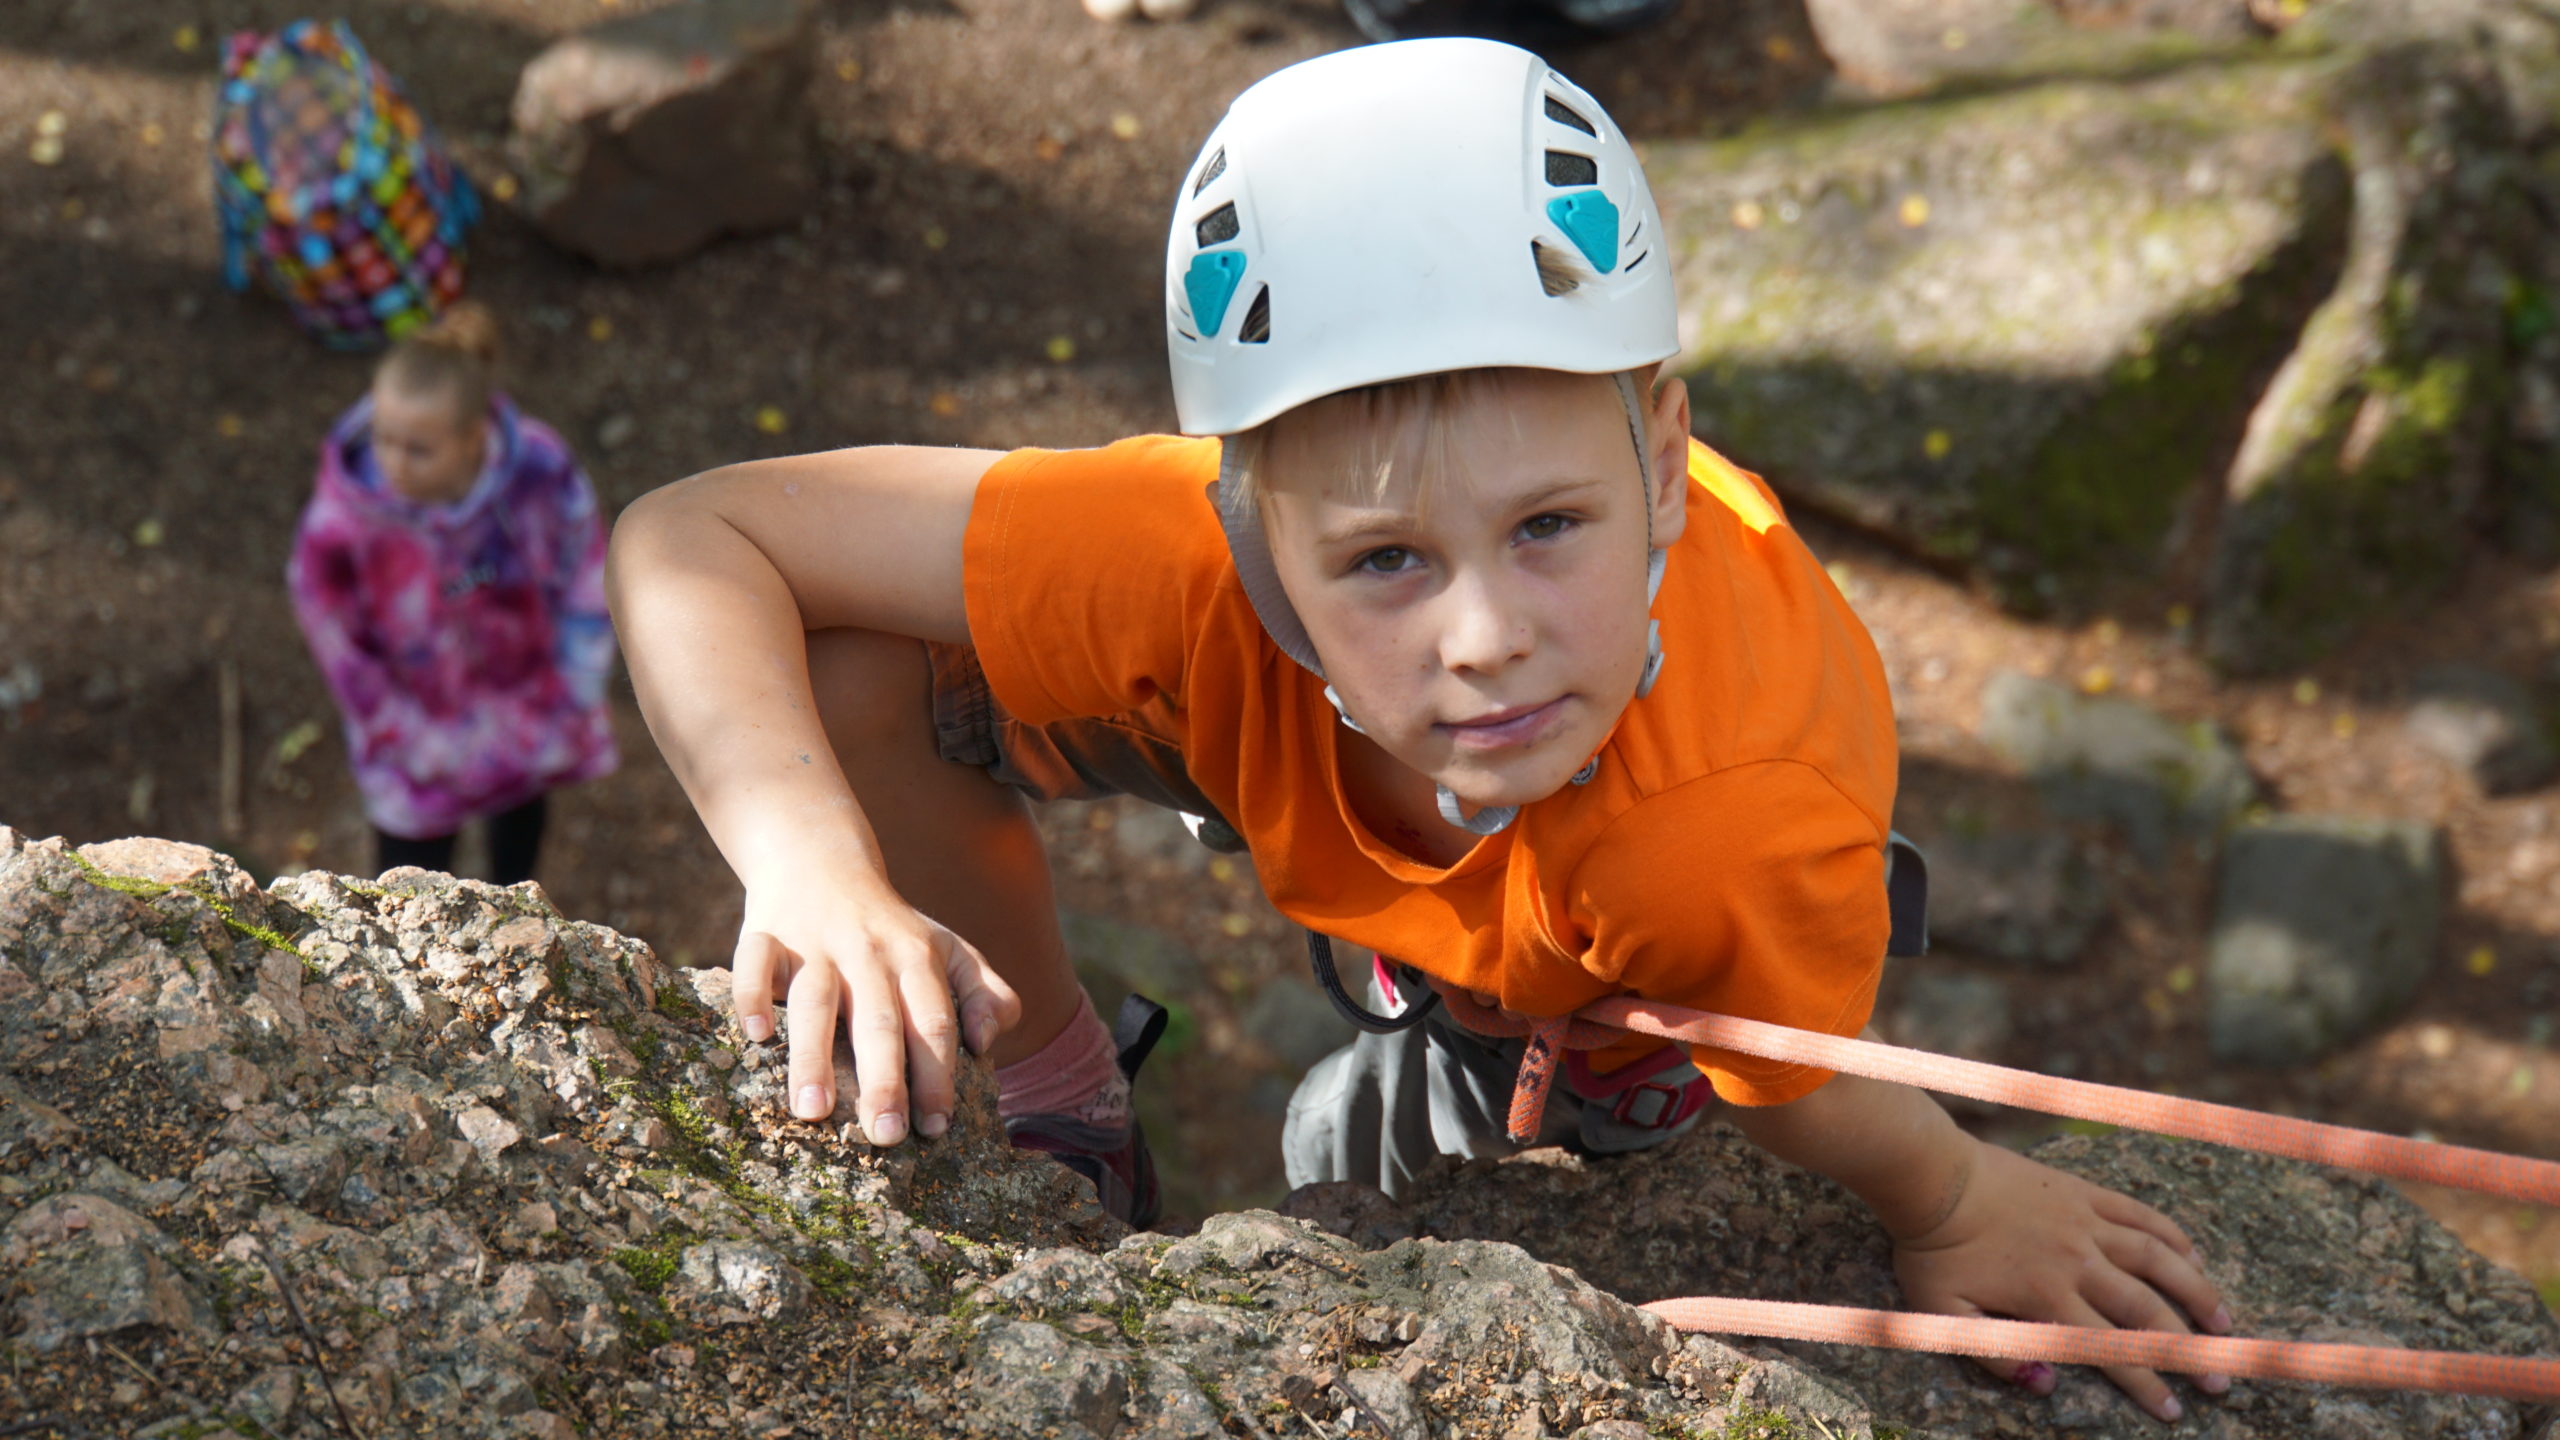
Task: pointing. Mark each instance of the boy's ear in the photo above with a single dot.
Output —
(1668, 432)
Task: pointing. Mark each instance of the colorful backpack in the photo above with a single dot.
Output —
(329, 183)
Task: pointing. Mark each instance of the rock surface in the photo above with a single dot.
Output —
(2108, 311)
(2322, 926)
(2299, 1252)
(426, 1151)
(2484, 722)
(2112, 760)
(641, 140)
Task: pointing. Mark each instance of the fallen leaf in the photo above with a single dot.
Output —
(2097, 680)
(2343, 725)
(2306, 691)
(1914, 212)
(45, 150)
(1061, 349)
(153, 134)
(1125, 125)
(186, 38)
(2180, 980)
(944, 403)
(600, 329)
(771, 420)
(848, 71)
(1779, 48)
(935, 237)
(150, 532)
(1937, 444)
(504, 187)
(1748, 215)
(227, 425)
(1235, 926)
(1222, 869)
(2481, 960)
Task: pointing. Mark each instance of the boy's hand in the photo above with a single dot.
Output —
(892, 974)
(2024, 1241)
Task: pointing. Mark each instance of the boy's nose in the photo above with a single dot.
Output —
(1483, 628)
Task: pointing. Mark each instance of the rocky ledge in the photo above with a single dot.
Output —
(422, 1158)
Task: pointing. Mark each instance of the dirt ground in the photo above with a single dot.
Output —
(996, 176)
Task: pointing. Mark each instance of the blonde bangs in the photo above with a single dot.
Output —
(1403, 433)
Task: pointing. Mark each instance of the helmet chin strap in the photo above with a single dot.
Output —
(1251, 551)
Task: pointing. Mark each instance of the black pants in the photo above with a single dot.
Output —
(515, 838)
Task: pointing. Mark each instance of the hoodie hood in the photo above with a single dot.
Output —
(346, 461)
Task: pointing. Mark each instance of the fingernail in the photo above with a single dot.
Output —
(933, 1125)
(888, 1128)
(2221, 1317)
(2035, 1375)
(2171, 1410)
(759, 1028)
(813, 1102)
(2213, 1384)
(983, 1036)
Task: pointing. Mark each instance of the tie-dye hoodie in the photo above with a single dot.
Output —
(467, 643)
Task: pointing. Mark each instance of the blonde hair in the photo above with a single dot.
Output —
(1404, 428)
(456, 355)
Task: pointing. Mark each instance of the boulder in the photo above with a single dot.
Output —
(2232, 319)
(2299, 1252)
(657, 1227)
(2026, 893)
(640, 140)
(1892, 49)
(2322, 926)
(2485, 723)
(1951, 1014)
(2112, 760)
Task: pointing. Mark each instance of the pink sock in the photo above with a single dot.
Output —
(1077, 1074)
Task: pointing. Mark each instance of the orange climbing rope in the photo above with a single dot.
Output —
(2371, 1367)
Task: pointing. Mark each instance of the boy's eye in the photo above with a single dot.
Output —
(1544, 527)
(1385, 560)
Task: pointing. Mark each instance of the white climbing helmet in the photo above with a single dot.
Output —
(1369, 215)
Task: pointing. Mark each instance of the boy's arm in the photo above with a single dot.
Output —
(1979, 1229)
(714, 583)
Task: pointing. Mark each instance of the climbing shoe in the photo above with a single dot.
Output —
(1113, 1158)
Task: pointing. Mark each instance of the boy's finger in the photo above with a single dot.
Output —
(988, 1006)
(814, 996)
(2172, 1273)
(2125, 1210)
(754, 973)
(877, 1027)
(2145, 1387)
(933, 1045)
(2033, 1376)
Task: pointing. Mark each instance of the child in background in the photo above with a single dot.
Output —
(448, 576)
(1494, 669)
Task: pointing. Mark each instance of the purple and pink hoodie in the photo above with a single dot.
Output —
(467, 643)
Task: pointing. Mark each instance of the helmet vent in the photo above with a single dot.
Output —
(1566, 168)
(1632, 264)
(1219, 226)
(1257, 320)
(1563, 114)
(1216, 167)
(1557, 272)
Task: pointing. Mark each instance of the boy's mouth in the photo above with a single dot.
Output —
(1502, 729)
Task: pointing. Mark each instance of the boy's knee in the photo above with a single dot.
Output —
(872, 688)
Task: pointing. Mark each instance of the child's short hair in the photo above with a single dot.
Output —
(457, 355)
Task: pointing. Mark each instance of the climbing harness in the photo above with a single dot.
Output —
(2512, 1176)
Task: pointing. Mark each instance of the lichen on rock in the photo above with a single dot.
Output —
(479, 1170)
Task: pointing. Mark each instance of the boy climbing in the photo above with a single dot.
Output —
(1494, 670)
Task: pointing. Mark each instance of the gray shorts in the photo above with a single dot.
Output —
(1383, 1108)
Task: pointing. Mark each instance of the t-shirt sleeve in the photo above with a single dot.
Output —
(1756, 891)
(1086, 574)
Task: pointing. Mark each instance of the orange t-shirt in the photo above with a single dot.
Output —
(1728, 854)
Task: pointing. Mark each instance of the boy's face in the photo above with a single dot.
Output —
(1486, 626)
